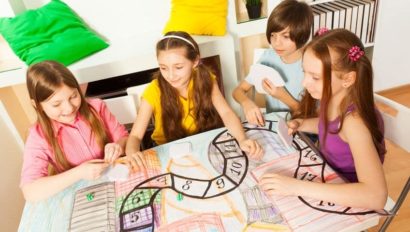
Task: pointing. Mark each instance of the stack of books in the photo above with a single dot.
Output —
(358, 16)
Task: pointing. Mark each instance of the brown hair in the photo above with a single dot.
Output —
(204, 112)
(43, 79)
(338, 42)
(296, 15)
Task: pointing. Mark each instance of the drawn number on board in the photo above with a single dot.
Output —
(310, 155)
(308, 176)
(134, 216)
(321, 203)
(186, 185)
(162, 179)
(136, 199)
(231, 147)
(221, 183)
(236, 165)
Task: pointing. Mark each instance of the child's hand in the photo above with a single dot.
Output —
(272, 89)
(137, 161)
(293, 126)
(274, 184)
(112, 151)
(253, 114)
(252, 147)
(92, 169)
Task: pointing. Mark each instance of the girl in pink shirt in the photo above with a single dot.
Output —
(73, 138)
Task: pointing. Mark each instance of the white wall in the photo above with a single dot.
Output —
(9, 8)
(145, 21)
(119, 19)
(130, 17)
(391, 56)
(5, 9)
(11, 149)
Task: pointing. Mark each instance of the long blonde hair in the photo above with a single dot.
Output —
(43, 79)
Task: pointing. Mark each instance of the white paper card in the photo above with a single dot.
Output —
(118, 172)
(282, 129)
(259, 72)
(178, 150)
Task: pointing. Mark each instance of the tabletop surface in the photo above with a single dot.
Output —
(212, 188)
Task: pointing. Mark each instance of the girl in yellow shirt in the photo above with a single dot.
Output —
(184, 99)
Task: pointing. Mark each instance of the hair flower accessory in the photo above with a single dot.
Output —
(355, 53)
(321, 31)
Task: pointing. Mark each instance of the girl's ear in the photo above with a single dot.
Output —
(196, 62)
(349, 79)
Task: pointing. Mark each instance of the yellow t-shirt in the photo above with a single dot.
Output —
(152, 95)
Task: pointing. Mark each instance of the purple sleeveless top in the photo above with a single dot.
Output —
(337, 152)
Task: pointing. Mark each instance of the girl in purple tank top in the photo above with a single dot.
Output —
(338, 78)
(337, 152)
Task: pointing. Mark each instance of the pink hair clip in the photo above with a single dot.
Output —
(321, 31)
(355, 53)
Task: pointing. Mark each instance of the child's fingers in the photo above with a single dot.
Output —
(99, 169)
(109, 153)
(268, 83)
(122, 160)
(137, 161)
(267, 186)
(270, 190)
(251, 117)
(126, 161)
(252, 148)
(258, 152)
(134, 162)
(293, 125)
(266, 86)
(245, 147)
(259, 117)
(116, 153)
(267, 177)
(261, 152)
(112, 152)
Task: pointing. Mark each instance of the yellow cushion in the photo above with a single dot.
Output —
(198, 17)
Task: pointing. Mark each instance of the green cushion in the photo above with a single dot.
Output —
(51, 32)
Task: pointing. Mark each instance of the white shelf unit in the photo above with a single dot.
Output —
(358, 16)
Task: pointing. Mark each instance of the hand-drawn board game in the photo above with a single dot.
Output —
(190, 196)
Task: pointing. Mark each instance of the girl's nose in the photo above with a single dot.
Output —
(68, 107)
(171, 75)
(305, 82)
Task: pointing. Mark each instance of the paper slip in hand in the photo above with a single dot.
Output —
(282, 129)
(118, 172)
(179, 149)
(259, 72)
